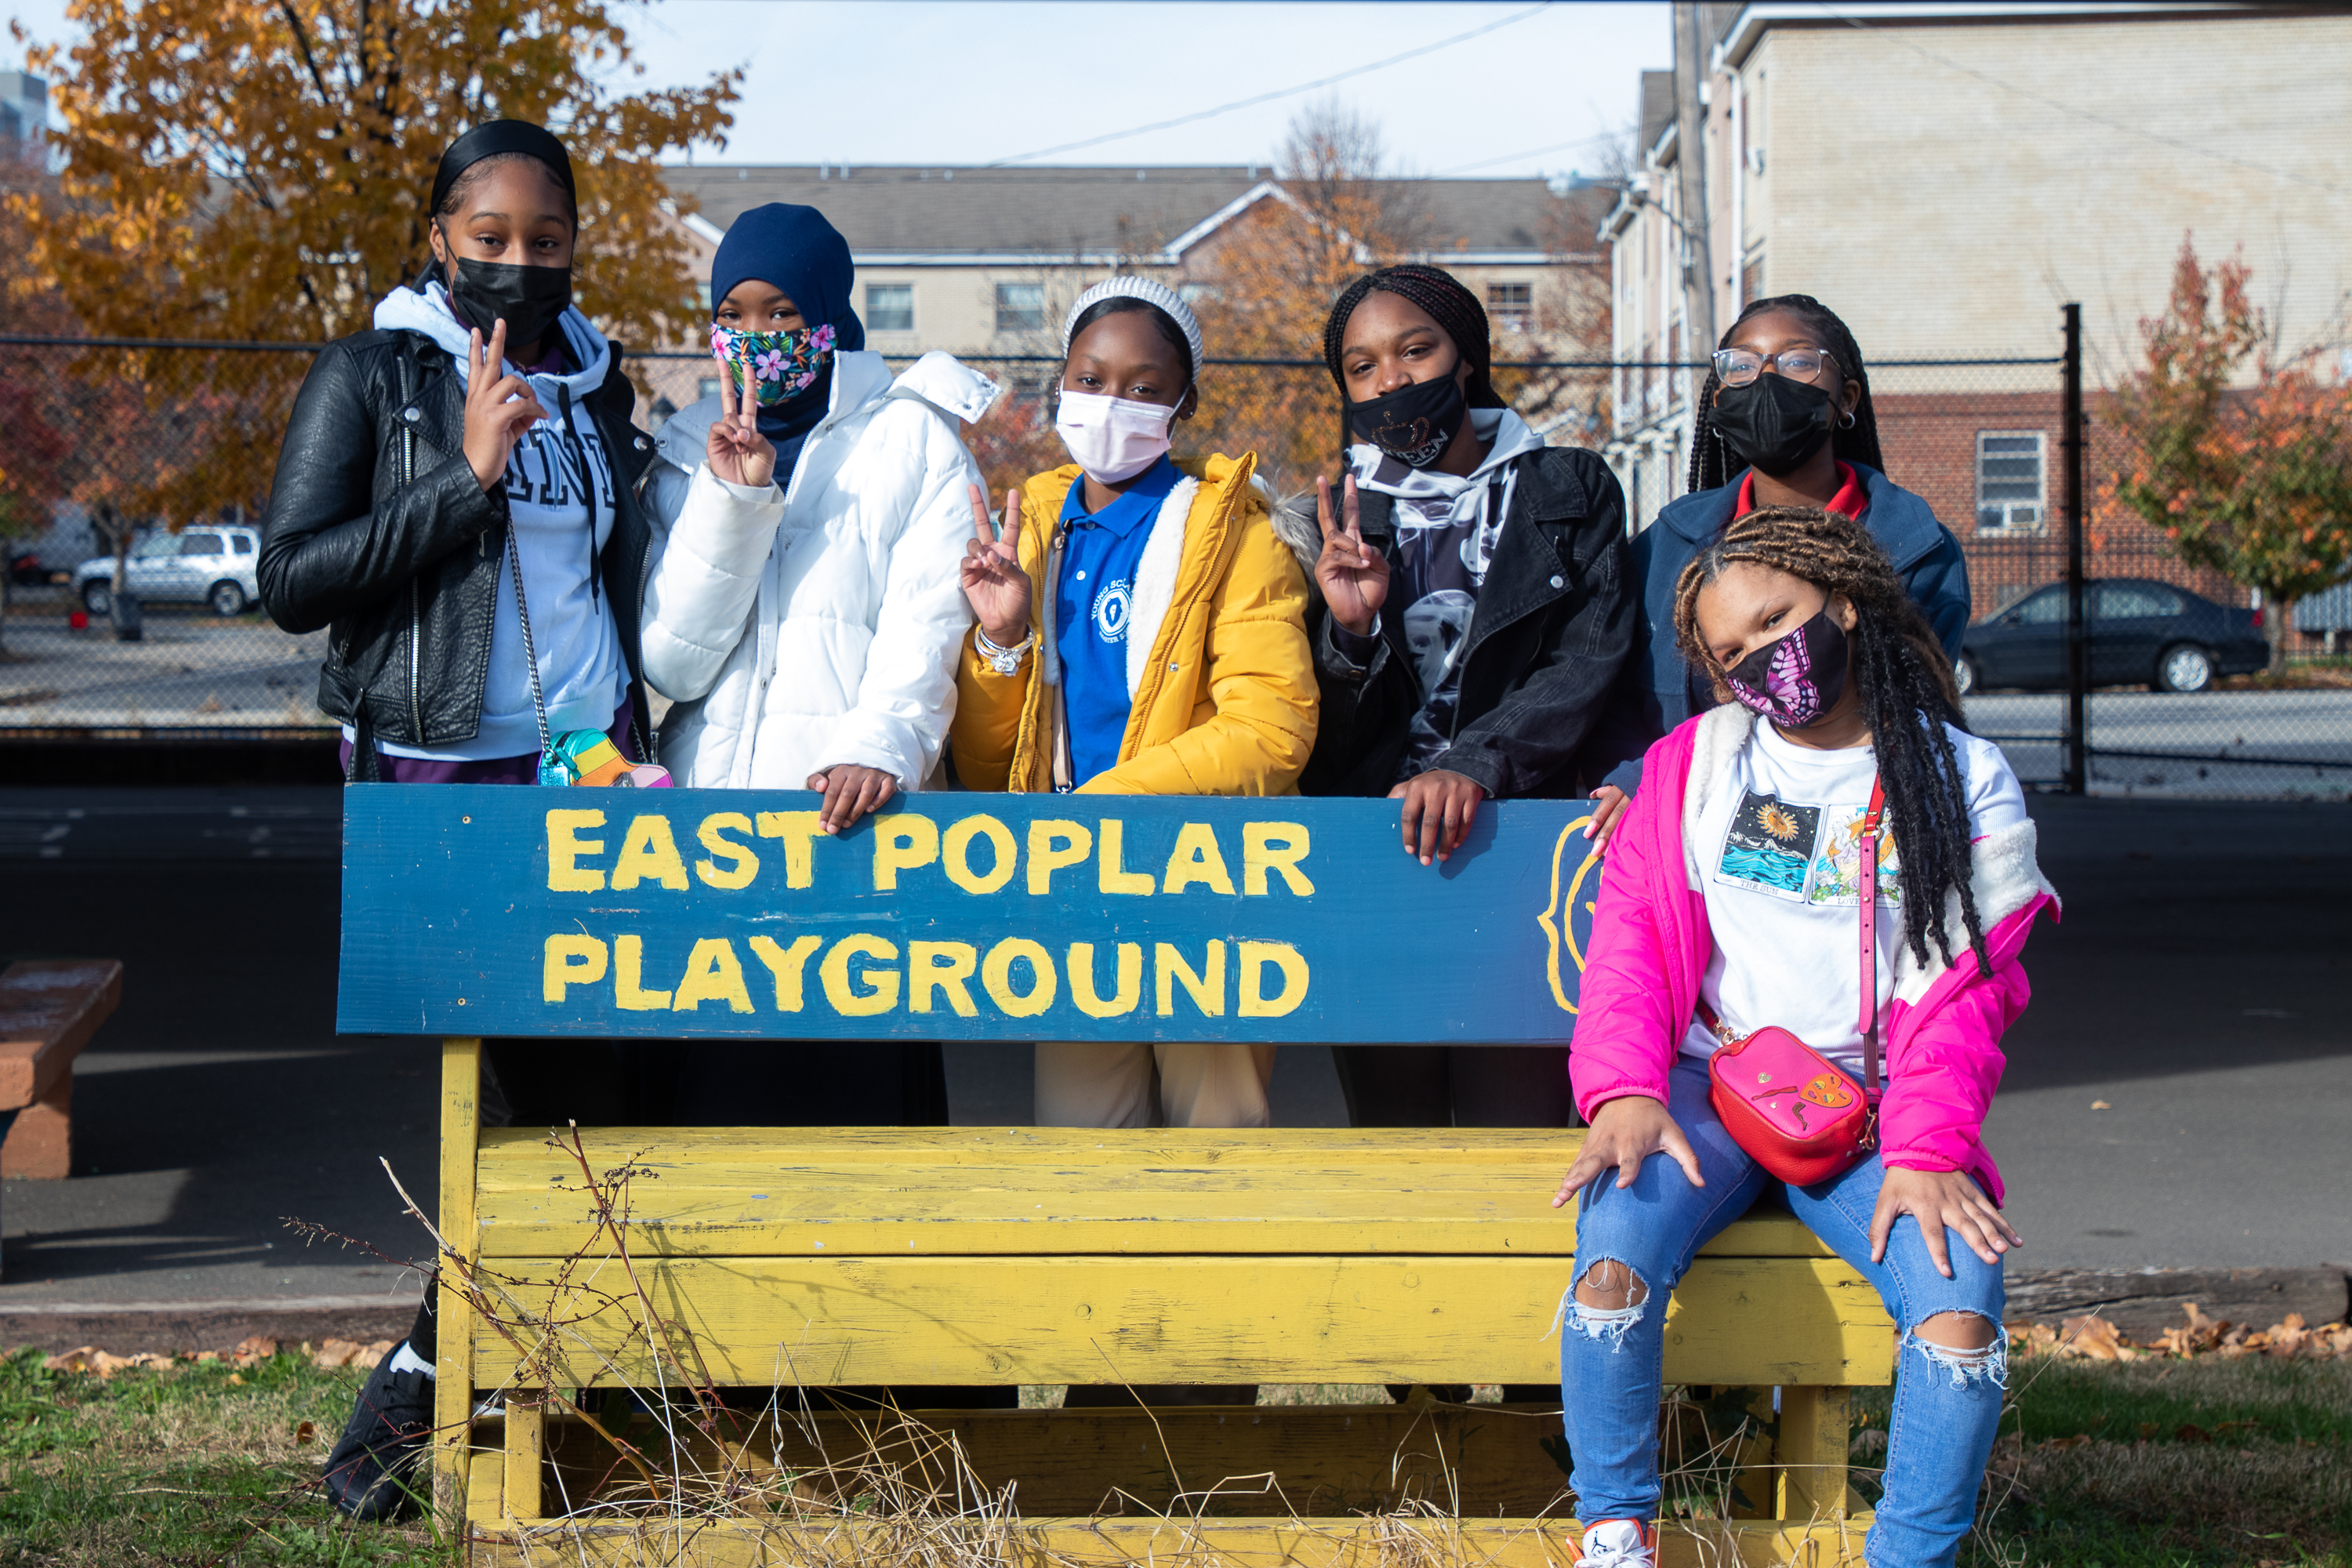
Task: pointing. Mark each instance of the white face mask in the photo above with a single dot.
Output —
(1113, 438)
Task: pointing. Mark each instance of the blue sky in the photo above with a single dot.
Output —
(903, 81)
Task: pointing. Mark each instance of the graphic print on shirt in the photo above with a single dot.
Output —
(1445, 559)
(543, 469)
(1769, 847)
(1837, 879)
(1114, 607)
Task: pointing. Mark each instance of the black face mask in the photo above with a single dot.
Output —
(527, 299)
(1415, 423)
(1773, 424)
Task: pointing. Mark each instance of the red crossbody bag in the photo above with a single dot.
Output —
(1797, 1113)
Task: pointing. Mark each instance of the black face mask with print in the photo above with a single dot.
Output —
(1415, 423)
(1773, 424)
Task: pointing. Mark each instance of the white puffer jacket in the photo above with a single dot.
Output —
(822, 624)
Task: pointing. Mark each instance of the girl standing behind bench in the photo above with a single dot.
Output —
(1730, 902)
(457, 487)
(1165, 654)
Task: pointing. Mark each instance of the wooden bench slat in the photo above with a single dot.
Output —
(696, 1222)
(818, 1321)
(514, 1150)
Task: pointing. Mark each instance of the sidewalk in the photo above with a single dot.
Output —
(2194, 986)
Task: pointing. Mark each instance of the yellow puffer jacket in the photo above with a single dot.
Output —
(1226, 701)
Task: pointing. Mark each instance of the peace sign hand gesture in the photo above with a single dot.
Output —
(736, 451)
(499, 406)
(998, 589)
(1354, 577)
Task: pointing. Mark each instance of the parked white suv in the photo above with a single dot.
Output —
(207, 565)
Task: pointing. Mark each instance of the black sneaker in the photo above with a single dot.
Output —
(374, 1473)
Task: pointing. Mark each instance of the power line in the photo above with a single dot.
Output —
(1284, 92)
(1530, 152)
(2080, 113)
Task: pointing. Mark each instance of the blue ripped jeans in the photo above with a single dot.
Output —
(1947, 1403)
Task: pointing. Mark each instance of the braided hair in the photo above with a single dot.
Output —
(1437, 292)
(1906, 686)
(1711, 465)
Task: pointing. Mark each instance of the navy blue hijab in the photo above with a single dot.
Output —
(795, 249)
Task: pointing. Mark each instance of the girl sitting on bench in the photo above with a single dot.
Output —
(1732, 902)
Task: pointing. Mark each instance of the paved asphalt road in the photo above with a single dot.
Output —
(2252, 744)
(2195, 986)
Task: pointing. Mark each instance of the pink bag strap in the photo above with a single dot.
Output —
(1867, 852)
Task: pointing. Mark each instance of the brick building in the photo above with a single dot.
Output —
(1945, 177)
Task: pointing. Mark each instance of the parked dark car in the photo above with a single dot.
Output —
(2139, 630)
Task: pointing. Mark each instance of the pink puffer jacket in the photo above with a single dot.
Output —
(1650, 944)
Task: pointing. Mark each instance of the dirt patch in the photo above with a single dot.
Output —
(167, 1333)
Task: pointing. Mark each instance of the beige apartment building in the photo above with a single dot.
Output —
(984, 262)
(1945, 177)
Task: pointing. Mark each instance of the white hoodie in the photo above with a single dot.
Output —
(821, 624)
(582, 673)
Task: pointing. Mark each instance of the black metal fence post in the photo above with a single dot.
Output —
(2078, 734)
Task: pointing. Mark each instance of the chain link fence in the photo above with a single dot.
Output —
(147, 465)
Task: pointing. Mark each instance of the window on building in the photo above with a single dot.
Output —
(1019, 307)
(890, 306)
(2010, 475)
(1751, 279)
(1512, 305)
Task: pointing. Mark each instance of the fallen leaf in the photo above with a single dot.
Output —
(2146, 1430)
(2188, 1432)
(253, 1348)
(304, 1432)
(333, 1353)
(237, 1380)
(2101, 1105)
(2076, 1441)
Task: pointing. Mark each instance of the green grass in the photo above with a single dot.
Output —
(2166, 1464)
(180, 1467)
(2095, 1469)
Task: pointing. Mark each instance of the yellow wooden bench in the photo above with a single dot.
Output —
(1036, 1256)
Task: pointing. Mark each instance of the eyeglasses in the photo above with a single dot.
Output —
(1737, 367)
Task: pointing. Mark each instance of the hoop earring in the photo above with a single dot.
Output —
(1846, 423)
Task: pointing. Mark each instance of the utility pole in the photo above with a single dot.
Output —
(1690, 167)
(2077, 753)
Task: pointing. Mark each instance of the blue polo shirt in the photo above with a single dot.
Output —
(1093, 606)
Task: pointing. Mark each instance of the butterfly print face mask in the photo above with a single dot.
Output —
(1795, 680)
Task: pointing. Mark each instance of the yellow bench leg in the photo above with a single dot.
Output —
(526, 1445)
(1813, 1454)
(453, 1383)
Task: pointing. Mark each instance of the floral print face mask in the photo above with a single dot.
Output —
(1797, 680)
(780, 365)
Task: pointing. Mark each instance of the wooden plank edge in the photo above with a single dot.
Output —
(1080, 1543)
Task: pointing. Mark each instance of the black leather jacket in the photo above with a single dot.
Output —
(379, 531)
(1552, 627)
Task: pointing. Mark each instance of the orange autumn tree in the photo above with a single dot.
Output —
(1270, 280)
(257, 169)
(2242, 454)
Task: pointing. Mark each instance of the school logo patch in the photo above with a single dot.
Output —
(1114, 607)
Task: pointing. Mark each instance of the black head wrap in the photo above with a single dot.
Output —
(1449, 304)
(499, 138)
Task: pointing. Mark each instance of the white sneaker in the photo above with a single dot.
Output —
(1619, 1544)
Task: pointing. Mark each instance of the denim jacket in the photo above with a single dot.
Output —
(1659, 690)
